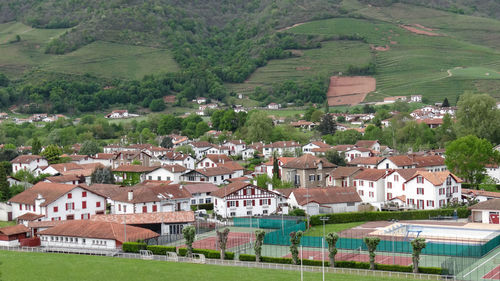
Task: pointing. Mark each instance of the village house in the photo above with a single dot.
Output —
(397, 162)
(370, 144)
(92, 235)
(201, 192)
(68, 179)
(241, 199)
(113, 148)
(305, 125)
(317, 201)
(314, 144)
(267, 167)
(432, 190)
(215, 175)
(10, 236)
(28, 163)
(178, 158)
(171, 173)
(105, 159)
(343, 176)
(132, 174)
(281, 148)
(307, 171)
(200, 148)
(129, 157)
(357, 152)
(179, 140)
(395, 186)
(366, 162)
(479, 195)
(118, 114)
(213, 160)
(58, 202)
(273, 106)
(248, 153)
(370, 185)
(235, 147)
(57, 169)
(163, 223)
(79, 159)
(151, 199)
(486, 212)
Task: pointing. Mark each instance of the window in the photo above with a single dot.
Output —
(155, 208)
(361, 183)
(311, 177)
(70, 206)
(249, 213)
(84, 204)
(56, 209)
(215, 178)
(372, 194)
(389, 196)
(168, 178)
(247, 202)
(430, 203)
(371, 184)
(119, 207)
(396, 178)
(98, 204)
(448, 181)
(200, 201)
(70, 196)
(150, 177)
(159, 178)
(232, 203)
(191, 178)
(144, 209)
(318, 177)
(193, 201)
(361, 192)
(420, 190)
(208, 200)
(389, 185)
(455, 189)
(21, 207)
(124, 208)
(232, 214)
(420, 179)
(264, 212)
(85, 216)
(84, 193)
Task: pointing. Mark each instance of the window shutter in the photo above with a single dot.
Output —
(244, 203)
(253, 191)
(244, 192)
(73, 206)
(67, 206)
(253, 202)
(228, 204)
(260, 202)
(269, 202)
(237, 203)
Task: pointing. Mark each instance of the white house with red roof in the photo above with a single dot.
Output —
(322, 200)
(96, 235)
(370, 144)
(201, 192)
(212, 160)
(215, 175)
(117, 114)
(370, 185)
(171, 173)
(432, 190)
(314, 144)
(200, 148)
(58, 202)
(235, 147)
(357, 152)
(248, 153)
(241, 199)
(177, 158)
(28, 163)
(281, 148)
(267, 167)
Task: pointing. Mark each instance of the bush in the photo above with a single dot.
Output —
(209, 254)
(352, 264)
(431, 270)
(379, 216)
(207, 207)
(276, 260)
(393, 267)
(161, 250)
(133, 247)
(245, 257)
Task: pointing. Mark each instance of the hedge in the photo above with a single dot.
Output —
(346, 264)
(380, 216)
(207, 206)
(161, 250)
(209, 254)
(133, 247)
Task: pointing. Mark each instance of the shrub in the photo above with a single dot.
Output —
(393, 267)
(208, 207)
(277, 260)
(379, 216)
(209, 254)
(352, 264)
(245, 257)
(161, 250)
(431, 270)
(133, 247)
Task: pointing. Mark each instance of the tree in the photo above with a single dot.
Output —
(189, 233)
(262, 180)
(331, 239)
(52, 153)
(327, 126)
(102, 175)
(333, 156)
(259, 127)
(4, 81)
(467, 156)
(6, 166)
(4, 186)
(446, 132)
(222, 239)
(446, 103)
(417, 245)
(371, 244)
(36, 146)
(185, 149)
(259, 239)
(201, 129)
(276, 167)
(295, 242)
(157, 105)
(316, 115)
(166, 142)
(478, 115)
(89, 147)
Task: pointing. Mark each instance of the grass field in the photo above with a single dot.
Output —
(102, 59)
(54, 267)
(317, 230)
(7, 223)
(332, 57)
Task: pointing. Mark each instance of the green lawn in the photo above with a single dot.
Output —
(53, 267)
(102, 59)
(317, 230)
(7, 223)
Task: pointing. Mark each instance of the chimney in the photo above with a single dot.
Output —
(181, 187)
(130, 195)
(64, 168)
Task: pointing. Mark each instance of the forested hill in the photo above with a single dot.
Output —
(193, 47)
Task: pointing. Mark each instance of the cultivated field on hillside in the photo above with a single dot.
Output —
(64, 267)
(101, 59)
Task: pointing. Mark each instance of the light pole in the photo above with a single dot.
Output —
(307, 206)
(323, 219)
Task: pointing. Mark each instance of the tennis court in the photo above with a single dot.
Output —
(359, 257)
(493, 274)
(234, 240)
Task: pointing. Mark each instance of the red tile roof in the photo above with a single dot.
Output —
(63, 179)
(218, 158)
(29, 217)
(308, 161)
(143, 194)
(216, 171)
(485, 193)
(370, 175)
(49, 191)
(429, 161)
(330, 195)
(343, 172)
(99, 230)
(366, 160)
(14, 229)
(282, 144)
(366, 143)
(147, 218)
(231, 165)
(492, 204)
(230, 188)
(436, 178)
(135, 168)
(401, 160)
(201, 188)
(26, 159)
